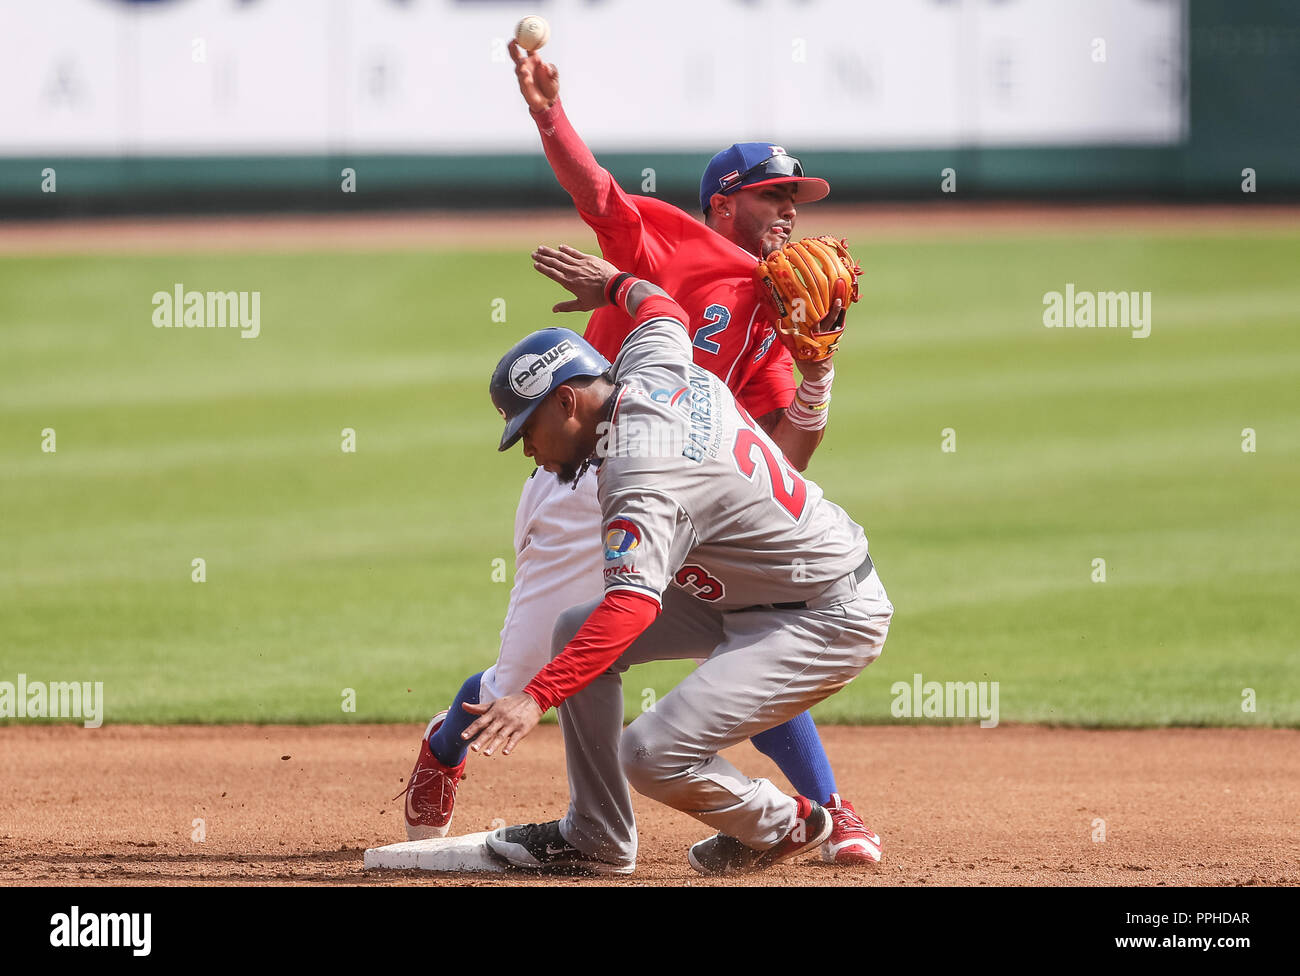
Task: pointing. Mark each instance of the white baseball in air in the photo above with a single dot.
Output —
(532, 33)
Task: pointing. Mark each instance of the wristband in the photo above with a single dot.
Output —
(621, 292)
(612, 286)
(806, 418)
(812, 402)
(824, 405)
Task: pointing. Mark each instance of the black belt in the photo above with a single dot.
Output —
(859, 574)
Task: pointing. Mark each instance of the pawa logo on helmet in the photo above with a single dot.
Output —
(530, 374)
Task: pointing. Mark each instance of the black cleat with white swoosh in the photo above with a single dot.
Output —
(723, 854)
(541, 847)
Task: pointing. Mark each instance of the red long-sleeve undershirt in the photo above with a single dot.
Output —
(620, 619)
(592, 188)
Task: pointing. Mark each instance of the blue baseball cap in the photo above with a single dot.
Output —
(531, 371)
(757, 164)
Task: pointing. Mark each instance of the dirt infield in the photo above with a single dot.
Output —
(299, 805)
(421, 230)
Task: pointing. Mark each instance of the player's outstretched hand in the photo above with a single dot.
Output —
(583, 274)
(503, 722)
(539, 82)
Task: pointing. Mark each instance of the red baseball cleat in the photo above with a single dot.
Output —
(850, 841)
(431, 791)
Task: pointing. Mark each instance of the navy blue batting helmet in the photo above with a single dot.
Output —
(530, 371)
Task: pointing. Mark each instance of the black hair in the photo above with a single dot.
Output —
(582, 382)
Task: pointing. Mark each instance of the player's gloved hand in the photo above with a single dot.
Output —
(539, 82)
(583, 274)
(816, 370)
(806, 286)
(503, 722)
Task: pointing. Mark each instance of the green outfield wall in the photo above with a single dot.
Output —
(1243, 96)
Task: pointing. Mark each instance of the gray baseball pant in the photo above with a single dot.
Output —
(763, 668)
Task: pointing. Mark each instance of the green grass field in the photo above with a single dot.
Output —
(373, 571)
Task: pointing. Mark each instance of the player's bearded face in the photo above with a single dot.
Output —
(567, 470)
(764, 217)
(550, 438)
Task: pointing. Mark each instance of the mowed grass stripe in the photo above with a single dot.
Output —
(374, 571)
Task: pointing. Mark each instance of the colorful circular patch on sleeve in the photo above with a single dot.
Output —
(621, 538)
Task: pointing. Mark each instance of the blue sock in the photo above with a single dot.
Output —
(797, 750)
(446, 744)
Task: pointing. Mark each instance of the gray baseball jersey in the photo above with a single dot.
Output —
(694, 494)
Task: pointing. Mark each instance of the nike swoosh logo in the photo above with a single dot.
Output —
(411, 815)
(873, 850)
(556, 850)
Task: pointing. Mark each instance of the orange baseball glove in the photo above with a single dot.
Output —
(799, 285)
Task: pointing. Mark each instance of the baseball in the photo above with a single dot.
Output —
(532, 33)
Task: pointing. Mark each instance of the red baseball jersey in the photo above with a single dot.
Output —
(711, 278)
(713, 281)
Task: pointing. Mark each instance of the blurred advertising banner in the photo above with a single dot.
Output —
(189, 77)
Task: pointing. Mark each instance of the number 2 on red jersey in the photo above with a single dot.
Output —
(791, 496)
(716, 319)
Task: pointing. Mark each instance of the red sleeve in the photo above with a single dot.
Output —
(593, 190)
(601, 202)
(609, 326)
(621, 617)
(659, 307)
